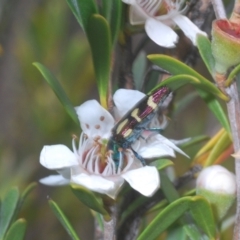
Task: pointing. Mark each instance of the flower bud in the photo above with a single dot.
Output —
(225, 44)
(218, 186)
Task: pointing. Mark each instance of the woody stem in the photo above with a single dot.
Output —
(233, 108)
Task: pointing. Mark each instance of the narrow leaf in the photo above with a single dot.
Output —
(22, 198)
(64, 221)
(28, 190)
(232, 75)
(82, 10)
(165, 218)
(116, 15)
(176, 67)
(176, 82)
(193, 233)
(17, 230)
(8, 207)
(193, 141)
(167, 187)
(204, 47)
(202, 213)
(106, 9)
(223, 142)
(98, 33)
(161, 163)
(57, 88)
(138, 69)
(99, 219)
(89, 199)
(133, 207)
(209, 145)
(152, 80)
(176, 233)
(216, 109)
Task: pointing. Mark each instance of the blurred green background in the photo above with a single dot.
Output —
(31, 115)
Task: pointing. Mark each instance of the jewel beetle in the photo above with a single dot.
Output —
(135, 121)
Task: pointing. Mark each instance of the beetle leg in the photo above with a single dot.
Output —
(139, 157)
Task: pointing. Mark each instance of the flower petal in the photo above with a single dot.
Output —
(164, 140)
(160, 33)
(188, 27)
(154, 150)
(97, 183)
(136, 15)
(65, 172)
(156, 146)
(57, 157)
(54, 180)
(181, 141)
(94, 119)
(145, 180)
(217, 179)
(125, 99)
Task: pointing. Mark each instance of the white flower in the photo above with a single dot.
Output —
(159, 16)
(219, 187)
(91, 164)
(217, 179)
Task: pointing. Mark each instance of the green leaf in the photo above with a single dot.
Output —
(232, 75)
(17, 230)
(177, 233)
(99, 219)
(98, 33)
(106, 9)
(194, 140)
(82, 10)
(152, 80)
(223, 142)
(159, 206)
(161, 163)
(202, 214)
(176, 82)
(211, 142)
(165, 218)
(176, 67)
(57, 88)
(28, 190)
(8, 207)
(112, 11)
(200, 211)
(167, 187)
(136, 204)
(116, 17)
(216, 108)
(193, 233)
(64, 221)
(89, 199)
(22, 198)
(138, 69)
(205, 50)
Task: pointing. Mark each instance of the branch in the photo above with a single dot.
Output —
(233, 107)
(219, 9)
